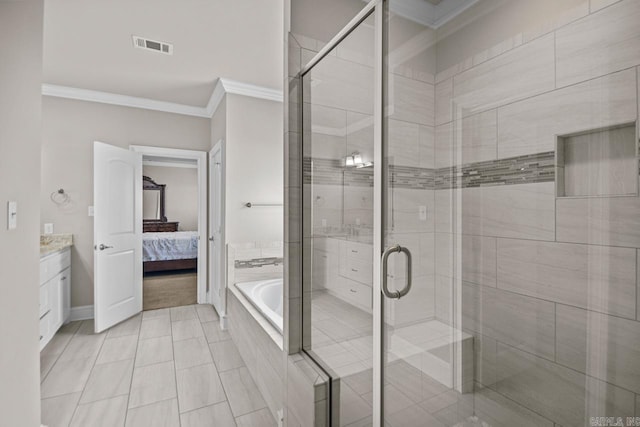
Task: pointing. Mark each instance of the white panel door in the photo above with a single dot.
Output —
(216, 230)
(117, 199)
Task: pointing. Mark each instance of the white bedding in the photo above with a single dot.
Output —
(169, 246)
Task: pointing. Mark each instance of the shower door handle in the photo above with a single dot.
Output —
(385, 260)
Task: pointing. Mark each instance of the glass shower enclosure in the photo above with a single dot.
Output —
(471, 218)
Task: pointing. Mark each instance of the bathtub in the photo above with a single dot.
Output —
(266, 296)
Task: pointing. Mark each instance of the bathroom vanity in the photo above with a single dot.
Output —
(342, 265)
(55, 284)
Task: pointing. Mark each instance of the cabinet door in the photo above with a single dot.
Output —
(319, 266)
(66, 295)
(325, 270)
(56, 297)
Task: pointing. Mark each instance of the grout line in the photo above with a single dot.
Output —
(92, 367)
(555, 59)
(518, 404)
(61, 352)
(555, 332)
(586, 375)
(175, 370)
(536, 240)
(546, 92)
(135, 357)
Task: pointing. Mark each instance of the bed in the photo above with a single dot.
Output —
(165, 251)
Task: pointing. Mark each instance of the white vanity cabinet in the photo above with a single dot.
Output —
(55, 297)
(344, 268)
(356, 274)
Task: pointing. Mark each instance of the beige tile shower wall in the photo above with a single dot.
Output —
(596, 5)
(472, 139)
(531, 125)
(521, 322)
(548, 285)
(612, 221)
(598, 278)
(523, 211)
(613, 346)
(558, 393)
(601, 43)
(525, 71)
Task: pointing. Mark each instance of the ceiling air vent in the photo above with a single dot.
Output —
(156, 46)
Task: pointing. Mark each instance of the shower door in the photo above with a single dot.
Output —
(471, 213)
(338, 203)
(510, 175)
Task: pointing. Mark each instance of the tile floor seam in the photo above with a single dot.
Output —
(135, 357)
(197, 366)
(75, 411)
(213, 360)
(62, 351)
(175, 370)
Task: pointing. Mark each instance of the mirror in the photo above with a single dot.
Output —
(151, 205)
(152, 201)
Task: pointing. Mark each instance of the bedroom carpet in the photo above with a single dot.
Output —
(169, 290)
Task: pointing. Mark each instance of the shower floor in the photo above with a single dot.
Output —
(418, 372)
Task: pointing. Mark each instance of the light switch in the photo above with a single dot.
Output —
(48, 228)
(422, 212)
(90, 211)
(12, 215)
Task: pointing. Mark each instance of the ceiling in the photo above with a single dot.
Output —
(88, 45)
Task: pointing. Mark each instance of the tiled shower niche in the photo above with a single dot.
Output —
(599, 162)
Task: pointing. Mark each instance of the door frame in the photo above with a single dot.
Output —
(201, 161)
(220, 146)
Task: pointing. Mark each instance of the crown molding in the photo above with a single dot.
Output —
(216, 98)
(428, 14)
(123, 100)
(222, 87)
(246, 89)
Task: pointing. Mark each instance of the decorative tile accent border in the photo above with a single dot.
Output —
(333, 172)
(531, 168)
(411, 177)
(258, 262)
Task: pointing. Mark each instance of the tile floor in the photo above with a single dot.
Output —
(168, 367)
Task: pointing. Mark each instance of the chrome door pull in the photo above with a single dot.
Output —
(103, 247)
(385, 259)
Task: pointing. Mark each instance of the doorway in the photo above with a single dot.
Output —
(174, 225)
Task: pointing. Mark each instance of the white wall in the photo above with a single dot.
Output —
(20, 134)
(69, 129)
(254, 169)
(181, 194)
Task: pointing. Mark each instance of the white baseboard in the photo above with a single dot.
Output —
(83, 312)
(224, 322)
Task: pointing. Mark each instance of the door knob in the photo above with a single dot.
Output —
(211, 239)
(103, 247)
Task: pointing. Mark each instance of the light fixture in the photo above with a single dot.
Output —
(355, 159)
